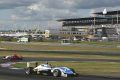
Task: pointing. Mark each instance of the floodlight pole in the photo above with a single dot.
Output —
(104, 34)
(94, 25)
(117, 18)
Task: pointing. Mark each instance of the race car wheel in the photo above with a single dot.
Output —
(29, 70)
(56, 73)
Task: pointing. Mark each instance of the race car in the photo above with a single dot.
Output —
(47, 69)
(14, 57)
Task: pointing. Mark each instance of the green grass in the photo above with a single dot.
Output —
(87, 68)
(99, 43)
(56, 46)
(83, 68)
(58, 55)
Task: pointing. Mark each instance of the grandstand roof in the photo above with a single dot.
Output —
(109, 13)
(86, 18)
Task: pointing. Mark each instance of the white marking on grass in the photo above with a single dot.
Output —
(17, 68)
(6, 65)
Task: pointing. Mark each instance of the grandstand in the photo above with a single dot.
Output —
(98, 26)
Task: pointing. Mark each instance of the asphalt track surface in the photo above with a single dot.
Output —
(29, 59)
(66, 52)
(9, 74)
(19, 74)
(68, 59)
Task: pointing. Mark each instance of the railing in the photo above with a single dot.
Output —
(74, 32)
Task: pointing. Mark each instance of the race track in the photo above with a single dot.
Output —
(68, 59)
(30, 59)
(19, 74)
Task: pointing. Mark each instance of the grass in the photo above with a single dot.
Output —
(55, 46)
(87, 68)
(83, 68)
(100, 43)
(58, 55)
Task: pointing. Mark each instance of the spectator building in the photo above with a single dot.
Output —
(101, 25)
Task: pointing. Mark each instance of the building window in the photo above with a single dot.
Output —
(74, 33)
(68, 32)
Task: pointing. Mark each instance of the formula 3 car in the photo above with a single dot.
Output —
(14, 57)
(47, 69)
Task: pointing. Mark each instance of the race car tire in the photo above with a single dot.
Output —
(56, 73)
(29, 70)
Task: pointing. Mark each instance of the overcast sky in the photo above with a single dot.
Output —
(45, 12)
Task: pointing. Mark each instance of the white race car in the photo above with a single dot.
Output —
(47, 69)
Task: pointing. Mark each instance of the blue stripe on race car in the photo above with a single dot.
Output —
(67, 70)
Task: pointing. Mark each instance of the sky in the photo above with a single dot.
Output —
(44, 13)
